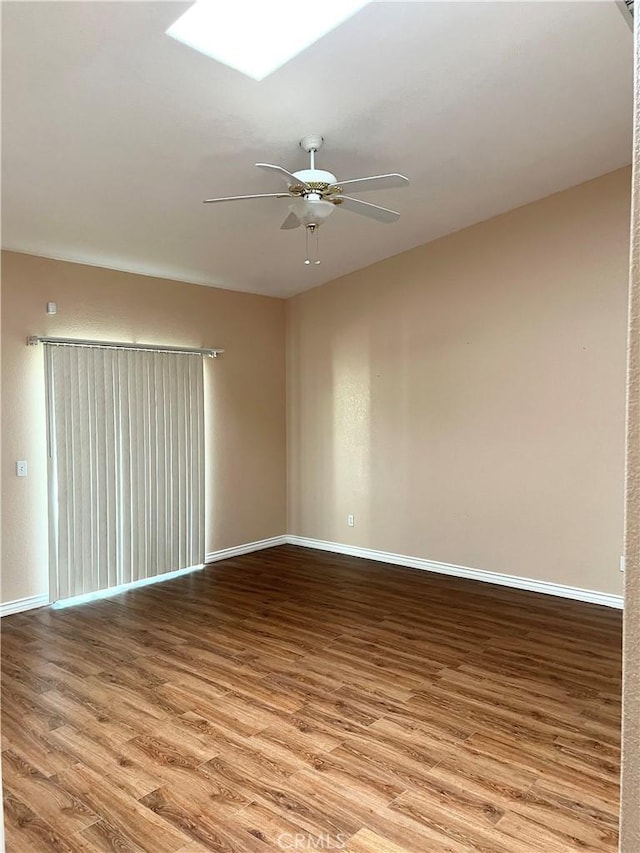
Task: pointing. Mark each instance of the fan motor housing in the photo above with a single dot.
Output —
(315, 176)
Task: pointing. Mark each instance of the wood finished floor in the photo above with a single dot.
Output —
(293, 698)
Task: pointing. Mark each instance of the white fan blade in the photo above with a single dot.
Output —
(288, 176)
(375, 182)
(240, 197)
(291, 221)
(365, 208)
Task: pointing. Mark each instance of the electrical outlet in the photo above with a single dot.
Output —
(350, 521)
(21, 469)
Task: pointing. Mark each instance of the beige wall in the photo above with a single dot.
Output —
(246, 393)
(630, 794)
(465, 400)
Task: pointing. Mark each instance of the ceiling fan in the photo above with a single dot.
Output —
(315, 194)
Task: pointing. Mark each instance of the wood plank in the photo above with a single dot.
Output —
(366, 841)
(26, 830)
(129, 817)
(59, 806)
(204, 825)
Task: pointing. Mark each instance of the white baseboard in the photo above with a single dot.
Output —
(546, 587)
(247, 548)
(22, 604)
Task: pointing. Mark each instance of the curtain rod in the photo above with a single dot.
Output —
(34, 340)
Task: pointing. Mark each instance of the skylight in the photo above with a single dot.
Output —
(257, 38)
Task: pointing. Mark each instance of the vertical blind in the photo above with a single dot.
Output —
(126, 465)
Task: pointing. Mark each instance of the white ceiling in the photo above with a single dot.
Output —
(113, 133)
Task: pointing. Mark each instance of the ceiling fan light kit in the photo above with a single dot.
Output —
(311, 211)
(316, 193)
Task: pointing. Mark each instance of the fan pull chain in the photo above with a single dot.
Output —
(315, 252)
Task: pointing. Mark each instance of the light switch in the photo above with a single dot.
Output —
(51, 307)
(21, 469)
